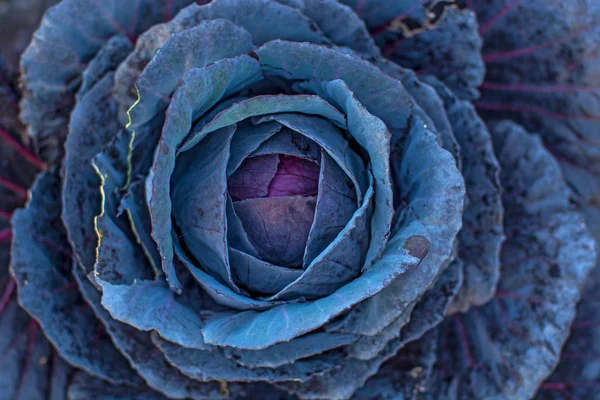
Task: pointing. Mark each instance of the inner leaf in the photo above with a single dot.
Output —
(274, 195)
(278, 227)
(274, 175)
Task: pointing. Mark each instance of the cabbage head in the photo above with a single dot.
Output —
(302, 199)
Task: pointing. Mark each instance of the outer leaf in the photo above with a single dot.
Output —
(70, 35)
(577, 376)
(373, 135)
(143, 356)
(205, 366)
(433, 306)
(429, 108)
(449, 49)
(42, 268)
(85, 387)
(119, 259)
(379, 12)
(356, 372)
(30, 368)
(382, 95)
(168, 67)
(420, 317)
(542, 72)
(482, 235)
(108, 58)
(365, 356)
(506, 348)
(19, 163)
(284, 23)
(134, 205)
(93, 125)
(405, 376)
(435, 196)
(268, 104)
(340, 24)
(288, 352)
(59, 377)
(175, 320)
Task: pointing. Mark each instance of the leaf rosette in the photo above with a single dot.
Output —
(247, 196)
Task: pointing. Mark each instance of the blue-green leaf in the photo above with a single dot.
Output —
(93, 125)
(373, 135)
(336, 204)
(341, 24)
(432, 191)
(143, 356)
(480, 239)
(254, 330)
(175, 320)
(285, 353)
(206, 366)
(268, 104)
(106, 60)
(508, 347)
(70, 35)
(450, 50)
(201, 88)
(119, 258)
(259, 276)
(195, 47)
(42, 267)
(199, 198)
(381, 95)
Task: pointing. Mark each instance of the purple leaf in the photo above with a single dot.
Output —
(274, 175)
(253, 178)
(295, 177)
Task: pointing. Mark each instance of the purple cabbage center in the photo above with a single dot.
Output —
(274, 196)
(274, 175)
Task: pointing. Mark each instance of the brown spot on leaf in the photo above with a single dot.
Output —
(417, 246)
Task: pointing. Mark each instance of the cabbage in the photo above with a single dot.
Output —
(311, 199)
